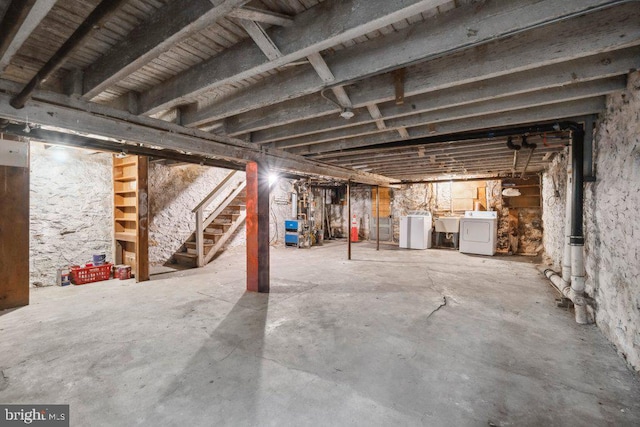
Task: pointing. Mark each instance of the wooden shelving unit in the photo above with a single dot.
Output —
(530, 195)
(130, 214)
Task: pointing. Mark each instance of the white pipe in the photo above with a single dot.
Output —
(578, 284)
(557, 281)
(566, 257)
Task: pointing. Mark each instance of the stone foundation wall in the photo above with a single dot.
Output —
(71, 209)
(612, 222)
(173, 192)
(554, 198)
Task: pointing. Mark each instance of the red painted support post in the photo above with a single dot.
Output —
(257, 228)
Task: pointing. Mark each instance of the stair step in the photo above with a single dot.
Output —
(191, 247)
(215, 227)
(186, 259)
(213, 236)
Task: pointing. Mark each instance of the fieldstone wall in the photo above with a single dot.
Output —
(71, 209)
(554, 198)
(612, 222)
(173, 192)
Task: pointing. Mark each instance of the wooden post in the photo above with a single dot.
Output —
(348, 220)
(14, 224)
(377, 217)
(200, 237)
(257, 228)
(142, 234)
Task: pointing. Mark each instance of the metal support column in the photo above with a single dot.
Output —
(257, 228)
(377, 217)
(349, 220)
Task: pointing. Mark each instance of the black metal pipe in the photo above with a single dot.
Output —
(88, 26)
(465, 136)
(577, 160)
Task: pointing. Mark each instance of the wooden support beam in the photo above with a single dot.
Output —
(376, 115)
(14, 222)
(168, 26)
(610, 29)
(510, 118)
(318, 63)
(21, 18)
(257, 227)
(495, 105)
(142, 233)
(261, 15)
(261, 38)
(94, 119)
(398, 83)
(308, 108)
(331, 23)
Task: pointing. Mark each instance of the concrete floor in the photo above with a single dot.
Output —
(366, 342)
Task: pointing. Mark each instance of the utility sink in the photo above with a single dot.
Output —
(448, 224)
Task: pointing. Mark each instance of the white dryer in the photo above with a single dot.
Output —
(479, 232)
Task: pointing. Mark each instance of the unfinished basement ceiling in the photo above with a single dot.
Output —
(276, 77)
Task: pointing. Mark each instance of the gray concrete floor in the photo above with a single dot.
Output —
(366, 342)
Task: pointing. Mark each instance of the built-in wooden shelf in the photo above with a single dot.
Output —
(530, 195)
(130, 218)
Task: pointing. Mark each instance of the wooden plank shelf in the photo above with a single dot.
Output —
(126, 236)
(130, 224)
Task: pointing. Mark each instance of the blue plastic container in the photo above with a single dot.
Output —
(99, 259)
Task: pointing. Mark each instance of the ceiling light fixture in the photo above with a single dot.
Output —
(347, 113)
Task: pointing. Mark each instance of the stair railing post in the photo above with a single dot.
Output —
(200, 237)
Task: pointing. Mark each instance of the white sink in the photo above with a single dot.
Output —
(448, 224)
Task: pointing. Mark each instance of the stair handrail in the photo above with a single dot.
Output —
(202, 223)
(223, 205)
(214, 193)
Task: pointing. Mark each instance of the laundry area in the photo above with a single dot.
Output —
(320, 212)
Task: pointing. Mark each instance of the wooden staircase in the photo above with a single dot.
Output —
(215, 230)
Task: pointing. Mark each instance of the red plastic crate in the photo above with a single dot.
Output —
(96, 273)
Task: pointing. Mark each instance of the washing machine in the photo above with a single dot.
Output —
(479, 232)
(416, 230)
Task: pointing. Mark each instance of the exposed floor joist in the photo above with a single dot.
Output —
(489, 121)
(22, 18)
(173, 23)
(574, 38)
(269, 124)
(312, 31)
(496, 105)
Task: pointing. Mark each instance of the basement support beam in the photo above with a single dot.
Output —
(21, 18)
(167, 27)
(319, 28)
(14, 223)
(518, 117)
(263, 16)
(142, 233)
(82, 116)
(593, 33)
(260, 37)
(257, 227)
(349, 220)
(307, 108)
(87, 28)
